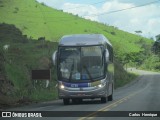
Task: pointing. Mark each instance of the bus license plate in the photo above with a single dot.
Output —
(81, 94)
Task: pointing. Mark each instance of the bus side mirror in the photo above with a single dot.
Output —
(54, 57)
(107, 55)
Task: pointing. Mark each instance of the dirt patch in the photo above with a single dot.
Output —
(6, 101)
(6, 95)
(10, 102)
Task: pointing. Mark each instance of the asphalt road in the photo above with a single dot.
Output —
(143, 94)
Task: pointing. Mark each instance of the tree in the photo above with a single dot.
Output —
(156, 47)
(158, 37)
(138, 31)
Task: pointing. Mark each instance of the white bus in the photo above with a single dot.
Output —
(85, 68)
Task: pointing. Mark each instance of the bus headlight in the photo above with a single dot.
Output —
(100, 85)
(61, 86)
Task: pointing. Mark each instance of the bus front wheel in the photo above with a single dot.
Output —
(103, 99)
(110, 97)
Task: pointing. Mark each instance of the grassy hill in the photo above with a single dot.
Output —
(37, 20)
(32, 20)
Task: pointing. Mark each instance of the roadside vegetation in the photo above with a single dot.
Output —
(31, 31)
(152, 63)
(17, 61)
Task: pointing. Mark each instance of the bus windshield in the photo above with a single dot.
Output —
(81, 63)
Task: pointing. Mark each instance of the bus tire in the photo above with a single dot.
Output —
(110, 97)
(65, 101)
(103, 99)
(76, 100)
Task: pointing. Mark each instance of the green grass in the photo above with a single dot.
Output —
(152, 63)
(44, 94)
(127, 78)
(122, 77)
(36, 20)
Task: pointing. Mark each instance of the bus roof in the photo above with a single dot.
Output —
(83, 40)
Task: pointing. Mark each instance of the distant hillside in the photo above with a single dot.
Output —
(37, 20)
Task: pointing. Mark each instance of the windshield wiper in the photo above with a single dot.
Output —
(70, 76)
(88, 72)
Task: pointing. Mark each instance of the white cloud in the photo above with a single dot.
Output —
(52, 3)
(140, 18)
(154, 25)
(115, 5)
(83, 10)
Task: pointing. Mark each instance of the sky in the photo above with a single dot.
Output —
(111, 12)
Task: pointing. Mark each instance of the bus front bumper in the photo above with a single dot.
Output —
(82, 93)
